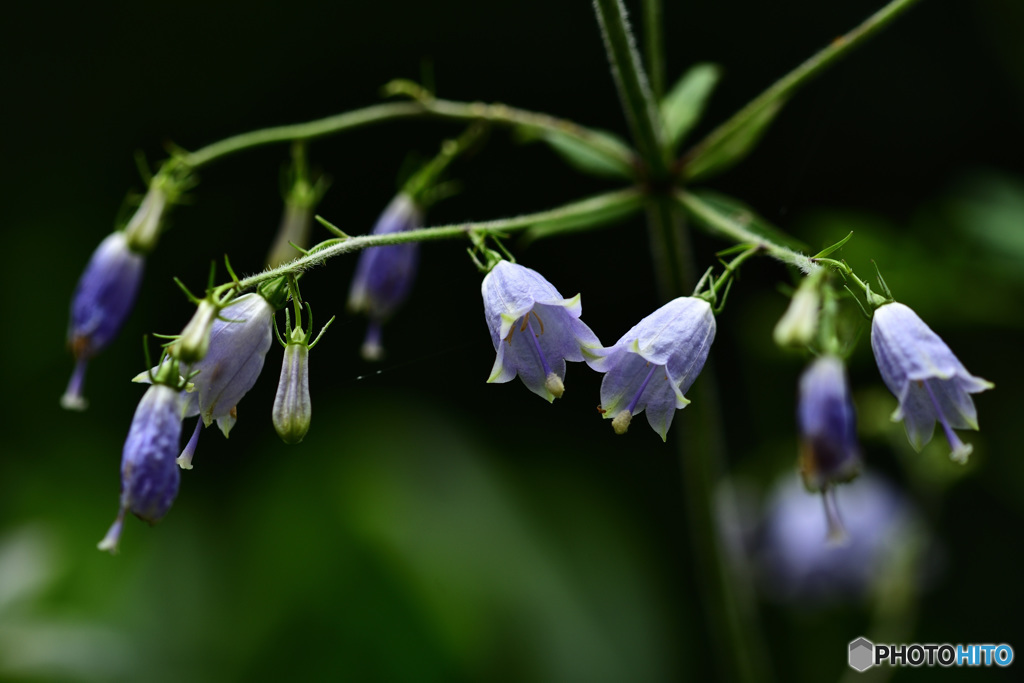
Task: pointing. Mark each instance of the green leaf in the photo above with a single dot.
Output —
(585, 158)
(739, 212)
(684, 104)
(720, 154)
(606, 214)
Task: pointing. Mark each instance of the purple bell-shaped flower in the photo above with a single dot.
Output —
(653, 365)
(149, 474)
(101, 302)
(534, 329)
(384, 275)
(932, 385)
(829, 452)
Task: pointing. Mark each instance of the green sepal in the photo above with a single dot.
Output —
(682, 107)
(828, 250)
(275, 292)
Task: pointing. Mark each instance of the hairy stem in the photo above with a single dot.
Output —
(637, 100)
(425, 108)
(654, 47)
(788, 84)
(618, 203)
(736, 231)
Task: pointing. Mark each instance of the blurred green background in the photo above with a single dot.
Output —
(431, 526)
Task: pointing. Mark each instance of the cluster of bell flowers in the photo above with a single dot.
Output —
(928, 380)
(220, 353)
(206, 372)
(534, 331)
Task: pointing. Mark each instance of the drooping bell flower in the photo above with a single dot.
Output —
(102, 300)
(534, 329)
(932, 385)
(293, 411)
(653, 365)
(149, 474)
(829, 453)
(384, 275)
(239, 340)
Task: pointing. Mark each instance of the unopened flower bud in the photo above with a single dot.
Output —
(384, 275)
(296, 223)
(829, 453)
(149, 474)
(799, 323)
(292, 408)
(143, 230)
(101, 302)
(194, 342)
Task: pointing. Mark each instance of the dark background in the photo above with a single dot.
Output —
(431, 526)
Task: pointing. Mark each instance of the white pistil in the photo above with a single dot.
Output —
(554, 384)
(620, 423)
(961, 450)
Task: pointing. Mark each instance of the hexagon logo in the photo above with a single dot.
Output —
(862, 654)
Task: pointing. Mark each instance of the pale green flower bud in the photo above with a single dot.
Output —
(292, 409)
(194, 342)
(143, 230)
(799, 324)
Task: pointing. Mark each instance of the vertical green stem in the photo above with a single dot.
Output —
(654, 47)
(726, 595)
(670, 249)
(641, 108)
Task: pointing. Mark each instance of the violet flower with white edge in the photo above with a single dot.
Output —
(239, 341)
(932, 385)
(102, 300)
(534, 329)
(385, 274)
(149, 474)
(653, 365)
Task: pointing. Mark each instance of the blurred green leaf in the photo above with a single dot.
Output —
(988, 208)
(585, 159)
(604, 214)
(684, 104)
(741, 213)
(723, 152)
